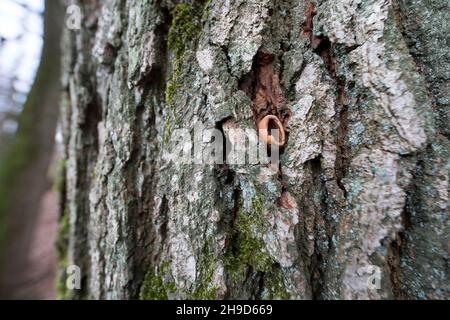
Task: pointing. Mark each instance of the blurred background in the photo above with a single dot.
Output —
(29, 152)
(20, 52)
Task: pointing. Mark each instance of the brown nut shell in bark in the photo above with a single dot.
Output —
(268, 123)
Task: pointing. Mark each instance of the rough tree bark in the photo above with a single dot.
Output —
(362, 187)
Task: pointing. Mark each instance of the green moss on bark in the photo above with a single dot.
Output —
(247, 249)
(183, 35)
(206, 290)
(62, 293)
(60, 179)
(275, 286)
(155, 286)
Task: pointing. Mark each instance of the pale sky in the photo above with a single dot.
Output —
(20, 53)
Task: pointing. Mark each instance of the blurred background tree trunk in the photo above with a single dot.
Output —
(359, 205)
(27, 207)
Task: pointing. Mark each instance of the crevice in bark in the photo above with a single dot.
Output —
(396, 248)
(342, 156)
(143, 240)
(262, 86)
(322, 47)
(137, 219)
(399, 20)
(316, 261)
(307, 26)
(93, 116)
(237, 197)
(228, 59)
(394, 254)
(85, 167)
(291, 90)
(156, 76)
(226, 144)
(229, 221)
(261, 286)
(163, 222)
(226, 178)
(317, 273)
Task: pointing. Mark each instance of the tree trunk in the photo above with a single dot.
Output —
(356, 209)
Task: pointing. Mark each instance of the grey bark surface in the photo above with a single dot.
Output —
(363, 180)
